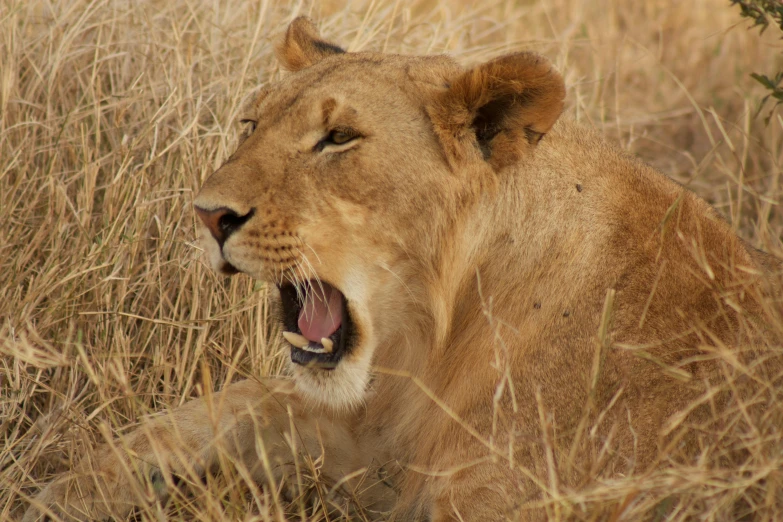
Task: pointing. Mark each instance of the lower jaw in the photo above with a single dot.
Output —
(312, 361)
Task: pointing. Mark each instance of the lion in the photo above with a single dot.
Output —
(483, 302)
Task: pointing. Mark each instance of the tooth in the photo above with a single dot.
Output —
(300, 341)
(328, 345)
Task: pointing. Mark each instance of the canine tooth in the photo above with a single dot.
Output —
(297, 340)
(328, 344)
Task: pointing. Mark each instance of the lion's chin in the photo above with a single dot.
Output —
(342, 389)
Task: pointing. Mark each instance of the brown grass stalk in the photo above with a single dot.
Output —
(113, 113)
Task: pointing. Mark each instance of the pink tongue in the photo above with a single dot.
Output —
(322, 312)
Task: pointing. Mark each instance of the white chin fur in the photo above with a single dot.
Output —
(341, 389)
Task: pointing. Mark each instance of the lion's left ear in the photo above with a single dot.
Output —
(498, 110)
(302, 46)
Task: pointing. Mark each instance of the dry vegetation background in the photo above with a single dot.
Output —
(113, 112)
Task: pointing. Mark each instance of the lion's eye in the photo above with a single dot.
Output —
(337, 137)
(250, 126)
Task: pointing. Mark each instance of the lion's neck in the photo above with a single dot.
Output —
(495, 256)
(483, 284)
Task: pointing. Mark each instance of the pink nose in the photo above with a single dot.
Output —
(222, 222)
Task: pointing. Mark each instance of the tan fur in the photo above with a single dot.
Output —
(480, 263)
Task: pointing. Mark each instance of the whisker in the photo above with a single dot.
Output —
(384, 266)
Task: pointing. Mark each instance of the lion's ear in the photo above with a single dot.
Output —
(499, 109)
(302, 46)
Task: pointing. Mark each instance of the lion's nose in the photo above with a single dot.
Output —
(222, 222)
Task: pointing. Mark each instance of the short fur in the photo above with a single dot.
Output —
(504, 273)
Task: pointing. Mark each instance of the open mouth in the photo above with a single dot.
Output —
(316, 324)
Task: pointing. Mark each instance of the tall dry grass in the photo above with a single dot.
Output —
(112, 113)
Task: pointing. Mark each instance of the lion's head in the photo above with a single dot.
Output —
(347, 186)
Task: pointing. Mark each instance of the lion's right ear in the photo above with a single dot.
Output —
(302, 46)
(498, 110)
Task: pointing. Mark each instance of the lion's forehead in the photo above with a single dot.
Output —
(336, 75)
(356, 78)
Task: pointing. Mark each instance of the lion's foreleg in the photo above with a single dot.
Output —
(261, 425)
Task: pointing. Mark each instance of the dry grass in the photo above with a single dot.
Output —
(112, 113)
